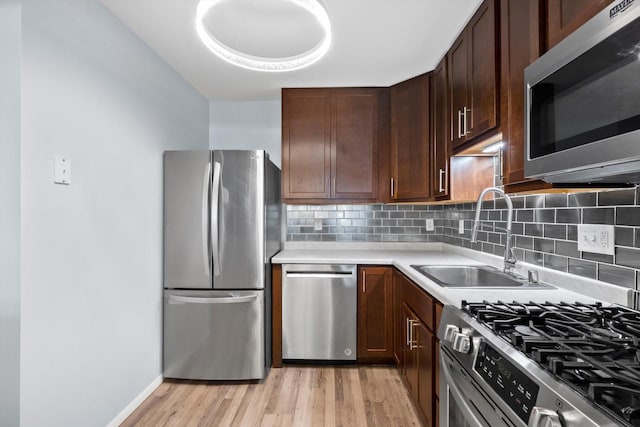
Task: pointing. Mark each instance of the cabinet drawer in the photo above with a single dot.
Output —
(419, 302)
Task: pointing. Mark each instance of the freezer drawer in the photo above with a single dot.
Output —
(319, 305)
(214, 335)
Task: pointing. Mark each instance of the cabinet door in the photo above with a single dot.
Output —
(306, 143)
(565, 16)
(457, 62)
(398, 333)
(437, 314)
(410, 139)
(440, 124)
(354, 144)
(425, 340)
(410, 354)
(375, 314)
(436, 368)
(520, 46)
(482, 97)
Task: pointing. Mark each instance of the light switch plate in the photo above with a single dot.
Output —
(461, 226)
(429, 224)
(595, 238)
(62, 170)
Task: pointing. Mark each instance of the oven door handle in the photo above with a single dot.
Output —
(461, 401)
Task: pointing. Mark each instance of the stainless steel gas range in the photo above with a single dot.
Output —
(530, 364)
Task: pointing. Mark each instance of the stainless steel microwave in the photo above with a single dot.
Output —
(582, 121)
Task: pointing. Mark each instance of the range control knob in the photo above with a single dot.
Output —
(450, 332)
(541, 417)
(462, 343)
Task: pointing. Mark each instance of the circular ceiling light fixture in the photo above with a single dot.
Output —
(259, 63)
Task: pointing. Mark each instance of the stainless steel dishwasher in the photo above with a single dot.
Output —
(319, 305)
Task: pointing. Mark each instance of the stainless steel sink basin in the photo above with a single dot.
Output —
(473, 276)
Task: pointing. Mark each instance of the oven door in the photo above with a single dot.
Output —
(463, 403)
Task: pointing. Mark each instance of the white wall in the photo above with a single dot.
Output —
(10, 23)
(91, 252)
(246, 125)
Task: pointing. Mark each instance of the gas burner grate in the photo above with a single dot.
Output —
(592, 347)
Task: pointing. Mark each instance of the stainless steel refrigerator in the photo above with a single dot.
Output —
(222, 225)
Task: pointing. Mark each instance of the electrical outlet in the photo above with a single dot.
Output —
(598, 239)
(429, 224)
(317, 225)
(62, 170)
(461, 226)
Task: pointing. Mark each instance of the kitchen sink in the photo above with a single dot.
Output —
(474, 276)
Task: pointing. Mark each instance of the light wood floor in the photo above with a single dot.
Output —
(290, 396)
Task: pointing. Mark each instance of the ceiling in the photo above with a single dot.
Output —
(374, 42)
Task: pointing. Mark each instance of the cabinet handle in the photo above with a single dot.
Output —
(392, 187)
(334, 187)
(408, 331)
(411, 340)
(464, 120)
(364, 282)
(501, 164)
(440, 180)
(460, 134)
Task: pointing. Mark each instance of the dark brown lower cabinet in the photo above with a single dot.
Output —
(410, 366)
(416, 345)
(424, 348)
(398, 318)
(436, 348)
(375, 314)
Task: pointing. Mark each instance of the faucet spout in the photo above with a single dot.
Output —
(509, 258)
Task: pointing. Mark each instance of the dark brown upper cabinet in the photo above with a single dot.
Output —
(524, 27)
(306, 143)
(565, 16)
(440, 123)
(473, 77)
(521, 44)
(410, 140)
(330, 145)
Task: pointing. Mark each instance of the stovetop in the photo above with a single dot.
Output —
(593, 348)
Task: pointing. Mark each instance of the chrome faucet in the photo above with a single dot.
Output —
(509, 257)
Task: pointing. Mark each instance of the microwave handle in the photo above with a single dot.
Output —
(453, 389)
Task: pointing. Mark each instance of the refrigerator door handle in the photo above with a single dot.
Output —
(205, 220)
(177, 299)
(215, 211)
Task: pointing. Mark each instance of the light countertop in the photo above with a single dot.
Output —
(569, 288)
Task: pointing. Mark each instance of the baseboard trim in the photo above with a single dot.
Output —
(128, 410)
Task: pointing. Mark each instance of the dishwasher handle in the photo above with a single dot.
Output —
(178, 299)
(324, 274)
